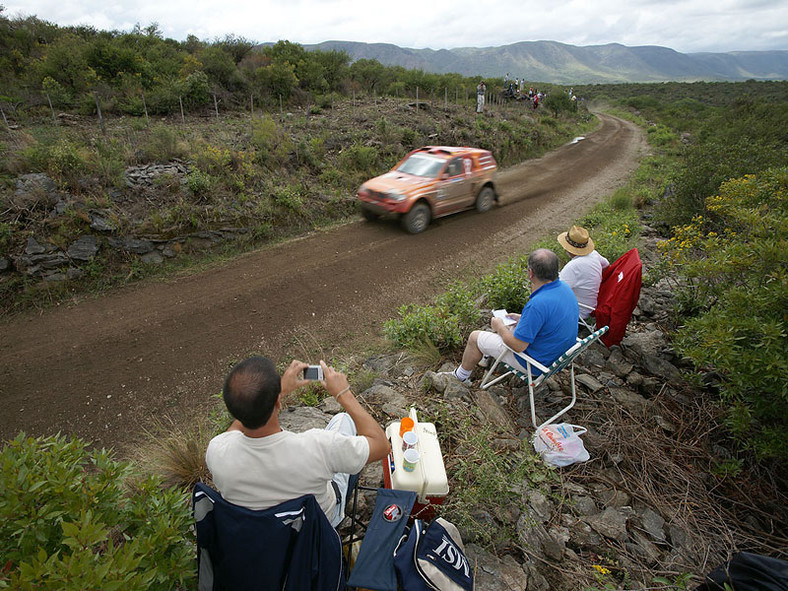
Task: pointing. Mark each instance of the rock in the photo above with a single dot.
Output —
(55, 277)
(541, 508)
(581, 534)
(634, 379)
(585, 505)
(493, 411)
(497, 574)
(657, 366)
(592, 357)
(554, 543)
(152, 258)
(643, 547)
(618, 364)
(380, 393)
(134, 245)
(589, 382)
(653, 524)
(33, 247)
(612, 523)
(384, 364)
(303, 418)
(613, 498)
(84, 248)
(5, 265)
(632, 401)
(74, 273)
(100, 223)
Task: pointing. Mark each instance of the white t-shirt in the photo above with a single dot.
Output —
(258, 473)
(584, 275)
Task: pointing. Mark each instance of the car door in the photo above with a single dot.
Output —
(454, 190)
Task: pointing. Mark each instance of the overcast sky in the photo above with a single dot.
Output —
(684, 25)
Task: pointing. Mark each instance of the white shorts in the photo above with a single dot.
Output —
(491, 343)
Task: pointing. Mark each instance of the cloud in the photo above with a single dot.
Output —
(685, 25)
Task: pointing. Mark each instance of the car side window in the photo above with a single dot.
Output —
(455, 167)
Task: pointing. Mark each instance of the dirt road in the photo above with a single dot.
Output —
(101, 368)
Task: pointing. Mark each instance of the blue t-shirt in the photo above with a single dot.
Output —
(548, 322)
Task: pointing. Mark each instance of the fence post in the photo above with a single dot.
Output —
(417, 99)
(180, 102)
(145, 108)
(251, 103)
(216, 108)
(4, 119)
(51, 108)
(281, 112)
(98, 110)
(446, 99)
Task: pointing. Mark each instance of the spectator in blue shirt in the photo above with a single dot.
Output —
(546, 328)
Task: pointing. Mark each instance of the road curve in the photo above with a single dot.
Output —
(102, 367)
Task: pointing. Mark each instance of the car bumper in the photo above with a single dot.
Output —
(382, 207)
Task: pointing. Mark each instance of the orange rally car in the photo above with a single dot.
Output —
(432, 182)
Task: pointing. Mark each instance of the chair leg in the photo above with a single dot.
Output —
(485, 384)
(566, 408)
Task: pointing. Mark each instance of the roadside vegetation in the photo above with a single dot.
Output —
(69, 512)
(271, 142)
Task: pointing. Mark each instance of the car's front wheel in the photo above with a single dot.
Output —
(370, 216)
(417, 219)
(485, 199)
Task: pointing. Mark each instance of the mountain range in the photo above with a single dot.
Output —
(560, 63)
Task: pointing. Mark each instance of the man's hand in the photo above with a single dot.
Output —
(499, 325)
(334, 381)
(291, 379)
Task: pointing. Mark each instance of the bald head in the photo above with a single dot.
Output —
(544, 264)
(251, 390)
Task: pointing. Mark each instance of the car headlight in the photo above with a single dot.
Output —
(395, 195)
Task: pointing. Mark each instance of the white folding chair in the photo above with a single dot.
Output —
(564, 361)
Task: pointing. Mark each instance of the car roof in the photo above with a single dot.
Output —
(448, 151)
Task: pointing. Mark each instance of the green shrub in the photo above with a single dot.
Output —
(163, 145)
(198, 182)
(418, 325)
(363, 159)
(73, 519)
(508, 287)
(737, 285)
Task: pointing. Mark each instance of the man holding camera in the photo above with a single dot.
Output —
(256, 464)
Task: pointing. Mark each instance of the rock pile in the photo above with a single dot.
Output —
(43, 259)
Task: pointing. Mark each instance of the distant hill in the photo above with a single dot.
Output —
(559, 63)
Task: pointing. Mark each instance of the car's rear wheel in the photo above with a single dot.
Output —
(417, 219)
(369, 215)
(485, 199)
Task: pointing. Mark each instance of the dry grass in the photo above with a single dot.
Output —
(677, 472)
(176, 452)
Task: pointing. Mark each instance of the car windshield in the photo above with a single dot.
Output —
(422, 165)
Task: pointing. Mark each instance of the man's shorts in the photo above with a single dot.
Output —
(491, 343)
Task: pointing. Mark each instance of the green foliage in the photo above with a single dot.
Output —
(198, 182)
(272, 145)
(363, 159)
(163, 145)
(485, 477)
(75, 519)
(443, 325)
(507, 287)
(736, 261)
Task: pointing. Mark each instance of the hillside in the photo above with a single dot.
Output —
(560, 63)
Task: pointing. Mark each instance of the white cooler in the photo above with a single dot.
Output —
(428, 479)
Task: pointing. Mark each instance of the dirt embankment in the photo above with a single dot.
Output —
(100, 368)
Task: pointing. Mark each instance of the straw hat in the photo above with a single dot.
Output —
(576, 241)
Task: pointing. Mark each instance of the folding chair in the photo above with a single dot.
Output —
(290, 546)
(564, 361)
(618, 295)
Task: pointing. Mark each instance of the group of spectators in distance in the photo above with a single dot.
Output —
(256, 464)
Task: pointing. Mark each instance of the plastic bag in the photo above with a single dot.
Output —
(560, 445)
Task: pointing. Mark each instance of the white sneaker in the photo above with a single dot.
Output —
(484, 361)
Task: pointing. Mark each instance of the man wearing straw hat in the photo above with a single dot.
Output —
(583, 272)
